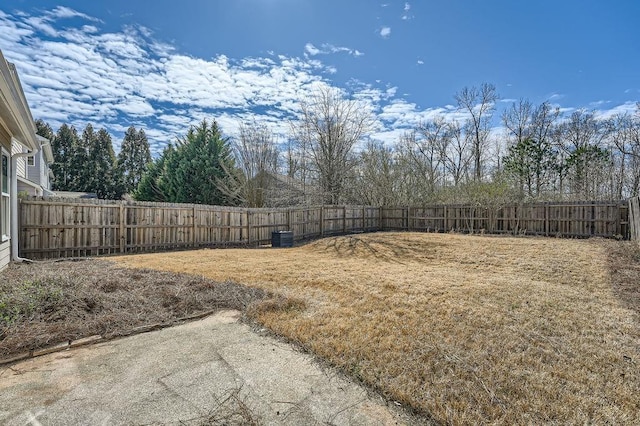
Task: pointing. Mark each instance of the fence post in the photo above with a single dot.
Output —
(364, 215)
(194, 226)
(344, 219)
(122, 228)
(248, 227)
(406, 226)
(546, 219)
(446, 221)
(322, 221)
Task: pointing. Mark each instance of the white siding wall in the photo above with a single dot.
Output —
(22, 162)
(4, 254)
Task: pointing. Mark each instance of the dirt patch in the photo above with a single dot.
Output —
(463, 329)
(46, 303)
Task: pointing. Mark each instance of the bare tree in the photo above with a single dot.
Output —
(517, 121)
(257, 156)
(625, 140)
(379, 176)
(328, 130)
(479, 104)
(584, 138)
(456, 153)
(414, 182)
(435, 134)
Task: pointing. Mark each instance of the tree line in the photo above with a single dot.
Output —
(87, 163)
(328, 158)
(538, 155)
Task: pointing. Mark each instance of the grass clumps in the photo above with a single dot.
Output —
(29, 300)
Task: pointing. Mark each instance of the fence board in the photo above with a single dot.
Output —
(634, 218)
(51, 228)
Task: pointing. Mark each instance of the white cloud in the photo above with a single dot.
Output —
(66, 12)
(311, 49)
(420, 62)
(625, 108)
(328, 48)
(555, 96)
(77, 75)
(385, 32)
(405, 15)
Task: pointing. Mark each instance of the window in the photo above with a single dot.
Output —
(4, 197)
(31, 160)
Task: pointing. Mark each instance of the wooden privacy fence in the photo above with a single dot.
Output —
(69, 228)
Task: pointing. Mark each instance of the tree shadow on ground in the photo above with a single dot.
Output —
(381, 247)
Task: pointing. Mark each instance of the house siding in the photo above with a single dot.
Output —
(5, 137)
(33, 172)
(39, 172)
(21, 165)
(29, 188)
(5, 254)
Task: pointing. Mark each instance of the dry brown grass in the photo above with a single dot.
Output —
(463, 329)
(47, 303)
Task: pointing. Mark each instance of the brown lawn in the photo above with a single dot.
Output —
(462, 329)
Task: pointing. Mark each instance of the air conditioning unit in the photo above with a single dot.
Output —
(282, 239)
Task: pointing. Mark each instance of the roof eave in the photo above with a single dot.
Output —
(13, 103)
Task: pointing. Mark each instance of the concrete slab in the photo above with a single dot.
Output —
(212, 371)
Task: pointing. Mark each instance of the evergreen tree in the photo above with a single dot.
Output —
(533, 165)
(133, 158)
(151, 186)
(43, 129)
(101, 176)
(201, 170)
(80, 167)
(63, 146)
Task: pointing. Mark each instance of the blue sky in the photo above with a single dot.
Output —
(164, 65)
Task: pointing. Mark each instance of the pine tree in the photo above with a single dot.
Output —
(80, 170)
(201, 169)
(63, 146)
(133, 158)
(101, 176)
(201, 166)
(151, 186)
(43, 129)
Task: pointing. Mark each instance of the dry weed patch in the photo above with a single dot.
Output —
(463, 329)
(47, 303)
